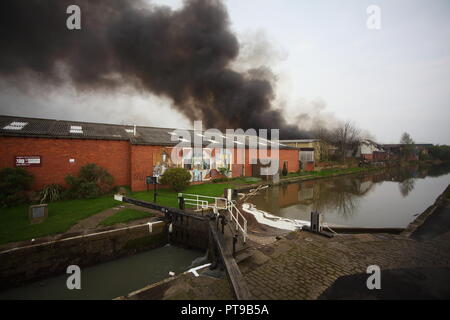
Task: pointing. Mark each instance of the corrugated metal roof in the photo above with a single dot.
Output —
(48, 128)
(300, 140)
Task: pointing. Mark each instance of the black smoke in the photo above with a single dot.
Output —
(183, 54)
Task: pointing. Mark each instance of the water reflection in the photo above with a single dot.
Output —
(406, 187)
(357, 199)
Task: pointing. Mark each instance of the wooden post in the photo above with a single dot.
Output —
(235, 239)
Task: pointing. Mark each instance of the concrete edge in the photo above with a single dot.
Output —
(78, 237)
(420, 220)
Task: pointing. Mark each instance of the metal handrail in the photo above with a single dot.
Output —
(200, 202)
(235, 218)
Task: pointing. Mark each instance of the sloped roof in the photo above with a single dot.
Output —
(63, 129)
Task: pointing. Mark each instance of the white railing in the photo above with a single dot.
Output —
(216, 203)
(204, 202)
(235, 216)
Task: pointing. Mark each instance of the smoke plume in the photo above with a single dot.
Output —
(183, 54)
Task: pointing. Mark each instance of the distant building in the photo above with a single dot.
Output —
(395, 150)
(369, 150)
(311, 151)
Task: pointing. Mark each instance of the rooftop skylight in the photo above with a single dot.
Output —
(76, 129)
(15, 125)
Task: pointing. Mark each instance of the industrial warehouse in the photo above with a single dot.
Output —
(53, 149)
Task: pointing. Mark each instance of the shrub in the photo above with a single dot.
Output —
(92, 181)
(51, 192)
(13, 184)
(98, 175)
(285, 171)
(177, 178)
(218, 180)
(441, 152)
(224, 171)
(81, 189)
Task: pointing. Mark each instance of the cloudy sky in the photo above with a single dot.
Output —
(328, 65)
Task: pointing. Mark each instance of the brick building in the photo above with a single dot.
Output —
(52, 149)
(311, 151)
(369, 150)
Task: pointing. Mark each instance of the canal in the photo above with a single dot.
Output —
(385, 198)
(111, 279)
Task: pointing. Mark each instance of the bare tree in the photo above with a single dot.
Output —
(407, 145)
(324, 136)
(346, 137)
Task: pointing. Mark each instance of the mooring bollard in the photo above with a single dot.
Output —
(224, 222)
(316, 222)
(316, 225)
(181, 203)
(217, 222)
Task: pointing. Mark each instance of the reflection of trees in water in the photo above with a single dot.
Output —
(346, 204)
(422, 171)
(340, 195)
(400, 174)
(436, 171)
(406, 187)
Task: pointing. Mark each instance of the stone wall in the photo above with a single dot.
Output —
(26, 264)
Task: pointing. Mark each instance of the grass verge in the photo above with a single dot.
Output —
(328, 172)
(126, 215)
(15, 224)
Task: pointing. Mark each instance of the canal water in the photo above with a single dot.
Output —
(385, 198)
(111, 279)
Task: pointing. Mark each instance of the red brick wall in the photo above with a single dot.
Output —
(309, 166)
(129, 164)
(142, 165)
(55, 155)
(291, 156)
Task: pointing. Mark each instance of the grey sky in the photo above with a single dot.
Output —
(388, 81)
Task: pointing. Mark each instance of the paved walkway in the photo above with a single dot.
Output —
(93, 222)
(304, 265)
(307, 266)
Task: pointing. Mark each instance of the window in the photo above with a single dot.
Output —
(187, 164)
(306, 156)
(187, 158)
